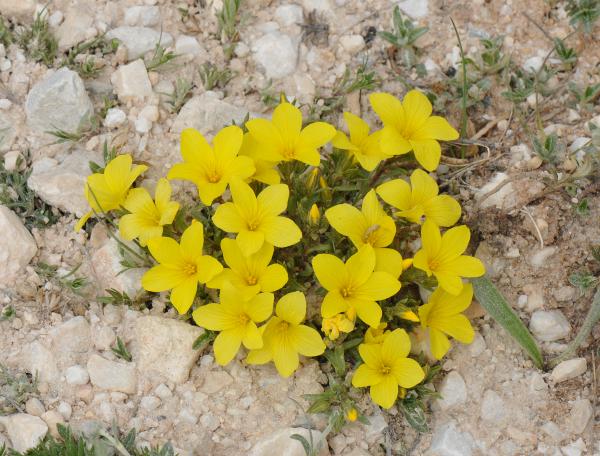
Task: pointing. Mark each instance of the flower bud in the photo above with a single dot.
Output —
(314, 215)
(352, 414)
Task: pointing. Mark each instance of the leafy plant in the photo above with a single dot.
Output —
(81, 56)
(117, 298)
(403, 37)
(583, 280)
(15, 389)
(228, 19)
(7, 313)
(548, 148)
(567, 55)
(120, 350)
(37, 40)
(212, 77)
(6, 34)
(68, 280)
(583, 13)
(585, 96)
(181, 93)
(160, 57)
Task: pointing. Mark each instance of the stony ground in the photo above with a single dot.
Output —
(531, 239)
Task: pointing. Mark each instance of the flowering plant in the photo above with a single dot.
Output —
(245, 270)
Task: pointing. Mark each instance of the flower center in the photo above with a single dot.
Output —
(385, 370)
(190, 269)
(434, 264)
(283, 327)
(289, 152)
(370, 234)
(346, 292)
(251, 280)
(213, 177)
(244, 319)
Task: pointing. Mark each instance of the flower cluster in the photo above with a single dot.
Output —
(232, 290)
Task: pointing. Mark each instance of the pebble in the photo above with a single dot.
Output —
(108, 271)
(52, 418)
(34, 407)
(580, 416)
(549, 325)
(132, 80)
(142, 125)
(478, 346)
(279, 443)
(24, 431)
(447, 440)
(142, 15)
(215, 381)
(540, 258)
(500, 198)
(453, 391)
(276, 53)
(114, 118)
(112, 376)
(352, 43)
(569, 369)
(492, 407)
(5, 104)
(139, 40)
(150, 403)
(416, 9)
(533, 64)
(188, 45)
(578, 143)
(65, 409)
(58, 101)
(163, 391)
(552, 430)
(577, 448)
(537, 383)
(22, 11)
(17, 246)
(104, 338)
(72, 337)
(77, 375)
(210, 421)
(289, 15)
(565, 294)
(36, 358)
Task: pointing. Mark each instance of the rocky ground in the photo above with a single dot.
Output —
(532, 235)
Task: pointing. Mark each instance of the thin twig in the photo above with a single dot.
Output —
(491, 124)
(526, 211)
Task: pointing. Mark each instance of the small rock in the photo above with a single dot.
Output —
(374, 430)
(52, 418)
(149, 403)
(553, 431)
(501, 197)
(114, 118)
(71, 338)
(132, 80)
(549, 325)
(65, 409)
(537, 383)
(210, 422)
(279, 443)
(60, 184)
(142, 125)
(11, 161)
(574, 449)
(108, 270)
(215, 381)
(59, 101)
(164, 346)
(24, 431)
(17, 246)
(139, 40)
(569, 369)
(449, 441)
(74, 29)
(77, 375)
(453, 391)
(5, 104)
(207, 114)
(533, 64)
(478, 345)
(163, 392)
(38, 360)
(581, 414)
(492, 407)
(277, 54)
(352, 43)
(34, 407)
(143, 15)
(56, 18)
(416, 9)
(540, 258)
(21, 11)
(188, 45)
(578, 143)
(112, 376)
(289, 15)
(104, 338)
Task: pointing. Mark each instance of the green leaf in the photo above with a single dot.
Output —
(303, 441)
(495, 304)
(414, 414)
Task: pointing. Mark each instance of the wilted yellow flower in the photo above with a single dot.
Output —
(363, 146)
(181, 266)
(352, 415)
(386, 367)
(284, 139)
(256, 219)
(443, 256)
(285, 337)
(108, 190)
(376, 335)
(235, 317)
(420, 200)
(409, 125)
(212, 168)
(333, 326)
(147, 218)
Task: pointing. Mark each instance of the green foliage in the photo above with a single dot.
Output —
(37, 40)
(120, 350)
(15, 389)
(108, 153)
(68, 280)
(495, 304)
(567, 55)
(583, 280)
(7, 313)
(583, 13)
(63, 136)
(17, 196)
(213, 77)
(6, 34)
(160, 57)
(181, 93)
(203, 340)
(586, 96)
(81, 56)
(228, 19)
(548, 148)
(116, 298)
(403, 37)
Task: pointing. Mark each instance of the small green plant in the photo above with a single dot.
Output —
(120, 350)
(213, 77)
(181, 93)
(6, 34)
(228, 20)
(68, 280)
(586, 96)
(160, 57)
(567, 55)
(15, 389)
(37, 40)
(403, 37)
(63, 136)
(81, 56)
(7, 313)
(583, 280)
(583, 13)
(108, 153)
(583, 207)
(548, 148)
(116, 297)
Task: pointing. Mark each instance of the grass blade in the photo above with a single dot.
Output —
(495, 304)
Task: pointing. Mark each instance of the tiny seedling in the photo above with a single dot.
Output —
(68, 280)
(567, 55)
(7, 313)
(63, 136)
(228, 20)
(120, 350)
(116, 297)
(81, 56)
(403, 37)
(37, 40)
(583, 13)
(15, 389)
(586, 96)
(6, 34)
(583, 280)
(160, 57)
(548, 148)
(213, 77)
(181, 94)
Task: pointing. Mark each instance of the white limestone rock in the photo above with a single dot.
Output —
(131, 81)
(568, 369)
(24, 431)
(279, 443)
(549, 325)
(112, 376)
(17, 246)
(276, 53)
(140, 40)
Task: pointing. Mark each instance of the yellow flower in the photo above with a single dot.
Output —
(147, 218)
(442, 316)
(352, 415)
(181, 266)
(332, 327)
(212, 168)
(284, 139)
(314, 215)
(249, 274)
(354, 284)
(407, 263)
(409, 125)
(369, 226)
(256, 219)
(107, 191)
(376, 335)
(265, 171)
(235, 317)
(364, 147)
(443, 256)
(386, 367)
(285, 337)
(422, 200)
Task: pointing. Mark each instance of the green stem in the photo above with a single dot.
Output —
(463, 116)
(591, 319)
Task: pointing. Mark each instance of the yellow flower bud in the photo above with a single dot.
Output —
(314, 215)
(311, 180)
(410, 316)
(352, 414)
(351, 314)
(325, 187)
(333, 326)
(407, 263)
(401, 392)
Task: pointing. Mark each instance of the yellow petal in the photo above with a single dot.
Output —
(148, 233)
(227, 143)
(260, 307)
(243, 198)
(407, 372)
(274, 278)
(166, 251)
(427, 152)
(457, 326)
(82, 221)
(359, 129)
(380, 285)
(260, 356)
(330, 271)
(162, 278)
(424, 187)
(421, 261)
(213, 317)
(186, 171)
(162, 194)
(443, 210)
(182, 296)
(388, 260)
(465, 266)
(417, 109)
(168, 214)
(368, 311)
(431, 239)
(292, 307)
(285, 358)
(267, 136)
(139, 200)
(360, 266)
(233, 256)
(439, 343)
(252, 339)
(316, 135)
(194, 147)
(240, 168)
(333, 304)
(250, 242)
(207, 268)
(370, 354)
(192, 241)
(395, 345)
(273, 200)
(228, 218)
(396, 193)
(365, 376)
(130, 226)
(288, 120)
(341, 141)
(436, 128)
(393, 143)
(449, 281)
(385, 392)
(455, 242)
(226, 346)
(388, 108)
(209, 191)
(307, 155)
(306, 341)
(348, 221)
(280, 231)
(445, 304)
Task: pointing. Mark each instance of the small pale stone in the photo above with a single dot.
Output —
(24, 431)
(142, 15)
(71, 337)
(38, 360)
(453, 391)
(132, 80)
(492, 407)
(540, 258)
(478, 346)
(352, 43)
(140, 40)
(163, 392)
(188, 45)
(52, 418)
(215, 381)
(108, 270)
(569, 369)
(142, 125)
(533, 64)
(279, 443)
(449, 441)
(104, 338)
(537, 383)
(77, 375)
(114, 118)
(210, 422)
(565, 294)
(149, 403)
(34, 407)
(580, 416)
(549, 325)
(112, 376)
(289, 15)
(277, 54)
(65, 409)
(17, 246)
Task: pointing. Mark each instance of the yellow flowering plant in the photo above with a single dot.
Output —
(321, 223)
